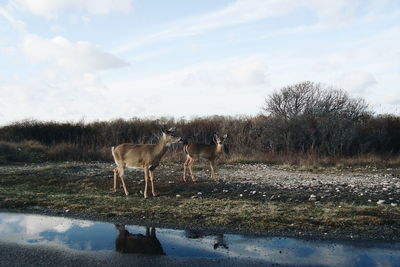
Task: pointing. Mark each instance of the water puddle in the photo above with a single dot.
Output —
(84, 235)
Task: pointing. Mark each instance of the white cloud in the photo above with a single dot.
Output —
(237, 12)
(53, 95)
(244, 11)
(51, 8)
(58, 51)
(228, 75)
(333, 11)
(356, 81)
(17, 24)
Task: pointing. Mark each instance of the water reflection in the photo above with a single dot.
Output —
(138, 243)
(83, 235)
(197, 234)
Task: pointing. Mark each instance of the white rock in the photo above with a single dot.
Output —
(393, 204)
(178, 195)
(381, 201)
(199, 193)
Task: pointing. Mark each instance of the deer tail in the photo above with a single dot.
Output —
(113, 153)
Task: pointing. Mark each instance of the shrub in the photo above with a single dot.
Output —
(25, 151)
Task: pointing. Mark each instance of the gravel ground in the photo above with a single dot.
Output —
(360, 185)
(249, 181)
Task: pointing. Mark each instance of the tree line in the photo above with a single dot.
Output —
(301, 118)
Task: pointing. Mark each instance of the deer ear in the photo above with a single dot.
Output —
(214, 138)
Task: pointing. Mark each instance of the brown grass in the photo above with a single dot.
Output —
(34, 151)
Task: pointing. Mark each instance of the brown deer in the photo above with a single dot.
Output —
(146, 156)
(209, 152)
(138, 243)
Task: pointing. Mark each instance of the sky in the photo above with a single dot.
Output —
(73, 60)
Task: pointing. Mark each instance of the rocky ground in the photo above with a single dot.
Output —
(248, 181)
(350, 185)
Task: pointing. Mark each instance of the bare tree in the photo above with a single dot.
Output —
(308, 116)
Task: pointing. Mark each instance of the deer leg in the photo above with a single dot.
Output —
(153, 190)
(212, 166)
(190, 169)
(213, 169)
(185, 165)
(152, 231)
(115, 179)
(146, 181)
(121, 175)
(147, 231)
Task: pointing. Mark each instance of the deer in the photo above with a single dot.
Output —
(126, 242)
(209, 152)
(145, 156)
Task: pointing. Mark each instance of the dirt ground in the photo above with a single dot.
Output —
(258, 197)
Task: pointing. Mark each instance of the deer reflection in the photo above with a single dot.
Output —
(220, 242)
(219, 238)
(138, 243)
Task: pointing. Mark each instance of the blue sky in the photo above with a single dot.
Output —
(105, 59)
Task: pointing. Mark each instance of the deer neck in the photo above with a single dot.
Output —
(218, 148)
(161, 148)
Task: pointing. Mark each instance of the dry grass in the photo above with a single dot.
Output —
(33, 151)
(313, 161)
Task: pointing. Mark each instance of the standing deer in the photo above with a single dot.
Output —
(146, 156)
(209, 152)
